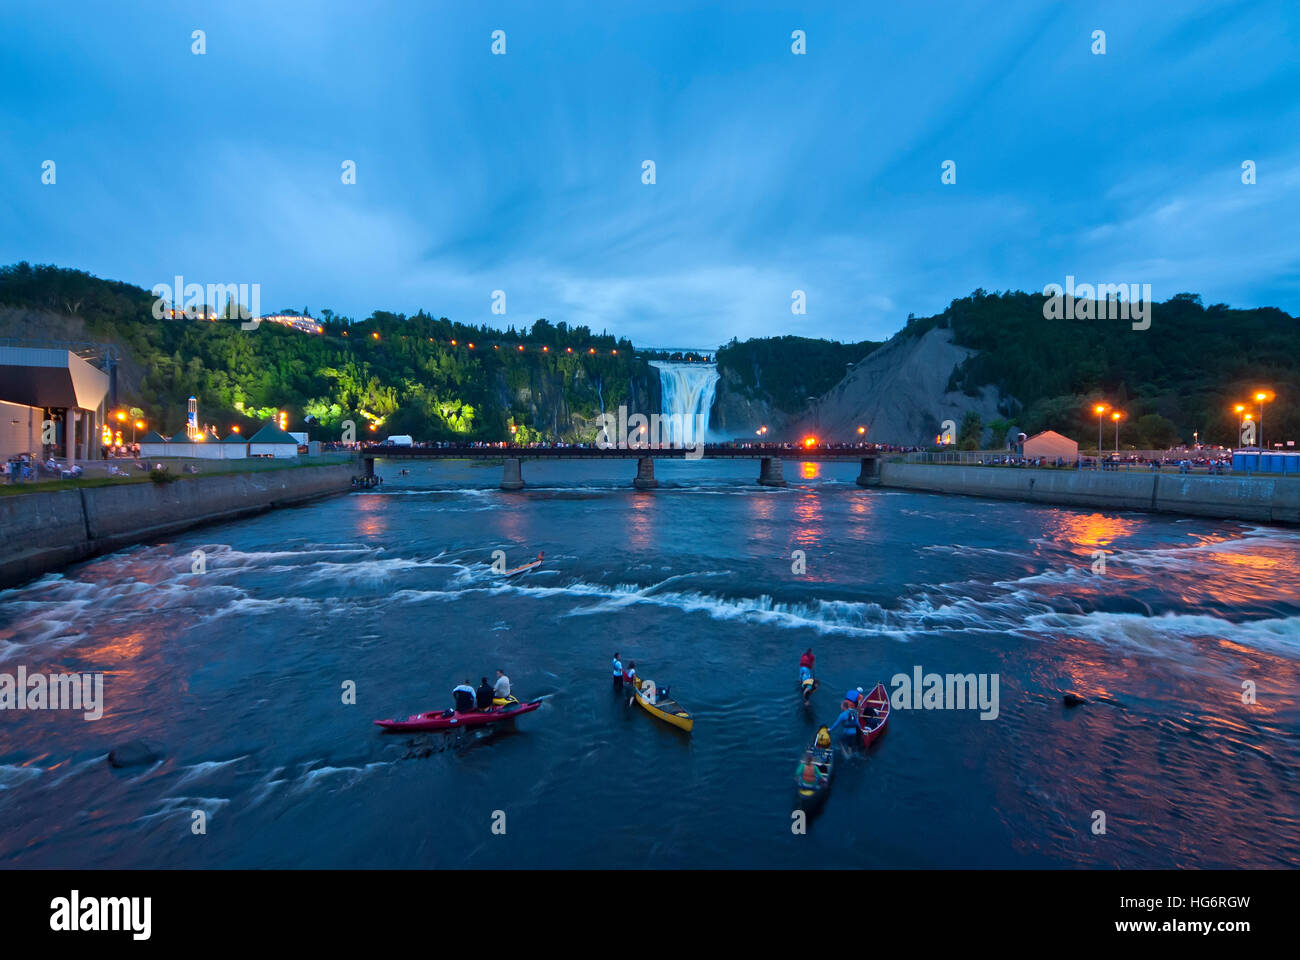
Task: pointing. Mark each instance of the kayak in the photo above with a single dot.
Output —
(812, 778)
(454, 719)
(533, 565)
(873, 714)
(670, 711)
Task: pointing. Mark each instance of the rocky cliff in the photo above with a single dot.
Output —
(899, 393)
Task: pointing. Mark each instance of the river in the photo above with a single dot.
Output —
(239, 672)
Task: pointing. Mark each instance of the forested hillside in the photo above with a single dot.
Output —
(1183, 374)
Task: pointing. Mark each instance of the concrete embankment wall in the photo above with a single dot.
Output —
(1259, 499)
(40, 532)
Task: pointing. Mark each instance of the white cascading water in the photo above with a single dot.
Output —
(688, 390)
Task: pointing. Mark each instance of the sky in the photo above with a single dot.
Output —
(774, 171)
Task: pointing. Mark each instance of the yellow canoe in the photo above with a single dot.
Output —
(670, 711)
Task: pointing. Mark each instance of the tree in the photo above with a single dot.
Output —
(970, 431)
(999, 429)
(1154, 432)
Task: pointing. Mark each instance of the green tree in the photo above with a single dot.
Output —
(1154, 432)
(999, 428)
(970, 431)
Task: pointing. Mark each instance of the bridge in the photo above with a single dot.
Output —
(771, 457)
(703, 354)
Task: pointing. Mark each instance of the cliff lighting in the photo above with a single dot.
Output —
(861, 431)
(453, 343)
(470, 345)
(521, 348)
(613, 353)
(568, 349)
(546, 349)
(592, 350)
(375, 334)
(373, 427)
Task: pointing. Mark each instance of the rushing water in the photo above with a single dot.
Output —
(687, 391)
(238, 672)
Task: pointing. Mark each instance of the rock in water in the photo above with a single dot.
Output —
(135, 753)
(1073, 699)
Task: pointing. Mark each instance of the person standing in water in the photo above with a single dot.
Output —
(849, 718)
(630, 680)
(617, 664)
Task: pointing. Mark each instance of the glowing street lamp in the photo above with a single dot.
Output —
(1117, 417)
(1262, 397)
(1099, 409)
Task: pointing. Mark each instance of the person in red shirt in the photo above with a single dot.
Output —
(807, 683)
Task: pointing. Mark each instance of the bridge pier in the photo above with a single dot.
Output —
(513, 478)
(645, 474)
(770, 473)
(370, 466)
(870, 473)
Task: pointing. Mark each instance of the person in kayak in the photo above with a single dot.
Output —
(483, 696)
(501, 690)
(463, 695)
(617, 664)
(850, 720)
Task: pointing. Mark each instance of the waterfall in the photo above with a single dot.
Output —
(688, 390)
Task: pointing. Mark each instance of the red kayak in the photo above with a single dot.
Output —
(454, 719)
(873, 714)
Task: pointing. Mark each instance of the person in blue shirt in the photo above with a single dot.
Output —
(850, 720)
(617, 664)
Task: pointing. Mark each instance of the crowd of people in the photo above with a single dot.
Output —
(24, 468)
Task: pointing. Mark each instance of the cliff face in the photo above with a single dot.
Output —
(548, 397)
(899, 393)
(736, 414)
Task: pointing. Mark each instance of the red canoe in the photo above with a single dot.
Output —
(450, 720)
(873, 714)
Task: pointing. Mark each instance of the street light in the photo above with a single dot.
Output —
(1262, 397)
(1100, 409)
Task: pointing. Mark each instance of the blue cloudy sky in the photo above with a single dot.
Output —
(775, 172)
